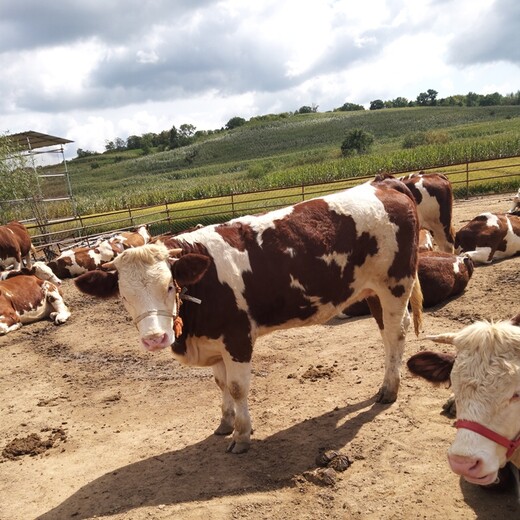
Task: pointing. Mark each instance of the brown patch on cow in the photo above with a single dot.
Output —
(236, 234)
(397, 291)
(15, 241)
(24, 293)
(285, 288)
(235, 391)
(376, 310)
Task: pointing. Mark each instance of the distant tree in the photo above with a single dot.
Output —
(377, 104)
(119, 143)
(235, 122)
(491, 100)
(349, 107)
(133, 142)
(472, 99)
(305, 109)
(357, 140)
(186, 132)
(84, 153)
(400, 102)
(512, 98)
(109, 146)
(428, 98)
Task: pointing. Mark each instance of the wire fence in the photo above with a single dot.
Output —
(467, 179)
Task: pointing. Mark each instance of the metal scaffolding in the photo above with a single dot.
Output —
(52, 198)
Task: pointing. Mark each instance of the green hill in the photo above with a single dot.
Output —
(274, 151)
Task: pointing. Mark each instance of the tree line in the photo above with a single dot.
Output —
(187, 134)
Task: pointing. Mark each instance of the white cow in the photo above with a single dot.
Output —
(485, 378)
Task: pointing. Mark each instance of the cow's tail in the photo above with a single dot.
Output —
(416, 302)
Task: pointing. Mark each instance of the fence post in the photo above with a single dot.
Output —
(232, 205)
(167, 211)
(130, 216)
(303, 192)
(467, 179)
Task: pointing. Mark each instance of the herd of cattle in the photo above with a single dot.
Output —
(210, 292)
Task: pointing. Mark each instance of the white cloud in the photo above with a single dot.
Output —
(73, 72)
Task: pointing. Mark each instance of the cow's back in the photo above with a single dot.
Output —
(299, 265)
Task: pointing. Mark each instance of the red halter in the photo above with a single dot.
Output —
(490, 434)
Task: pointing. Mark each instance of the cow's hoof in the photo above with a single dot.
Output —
(384, 396)
(238, 447)
(224, 429)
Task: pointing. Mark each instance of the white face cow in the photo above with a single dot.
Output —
(145, 278)
(485, 378)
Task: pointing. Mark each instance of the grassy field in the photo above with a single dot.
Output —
(291, 151)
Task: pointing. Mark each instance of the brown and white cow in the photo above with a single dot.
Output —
(38, 269)
(291, 267)
(15, 245)
(485, 379)
(441, 276)
(26, 298)
(434, 196)
(79, 260)
(489, 236)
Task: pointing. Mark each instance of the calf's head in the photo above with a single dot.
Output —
(148, 279)
(485, 378)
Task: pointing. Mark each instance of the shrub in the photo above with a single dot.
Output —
(357, 140)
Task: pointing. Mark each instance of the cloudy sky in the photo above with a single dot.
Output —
(95, 70)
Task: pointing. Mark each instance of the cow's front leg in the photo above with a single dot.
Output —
(238, 378)
(227, 421)
(62, 313)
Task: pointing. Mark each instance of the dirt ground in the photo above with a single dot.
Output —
(114, 432)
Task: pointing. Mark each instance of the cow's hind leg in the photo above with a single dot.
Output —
(393, 320)
(227, 421)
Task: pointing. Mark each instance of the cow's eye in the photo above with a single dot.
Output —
(170, 288)
(516, 396)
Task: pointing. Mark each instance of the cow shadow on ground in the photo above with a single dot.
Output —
(491, 503)
(203, 470)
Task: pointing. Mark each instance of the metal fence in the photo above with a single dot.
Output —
(467, 179)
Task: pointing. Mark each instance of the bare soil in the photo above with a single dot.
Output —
(93, 427)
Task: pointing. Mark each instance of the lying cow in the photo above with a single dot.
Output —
(489, 236)
(15, 245)
(79, 260)
(26, 298)
(434, 196)
(38, 269)
(441, 276)
(485, 379)
(291, 267)
(515, 208)
(127, 239)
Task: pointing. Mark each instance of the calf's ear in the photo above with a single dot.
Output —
(432, 366)
(190, 268)
(98, 283)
